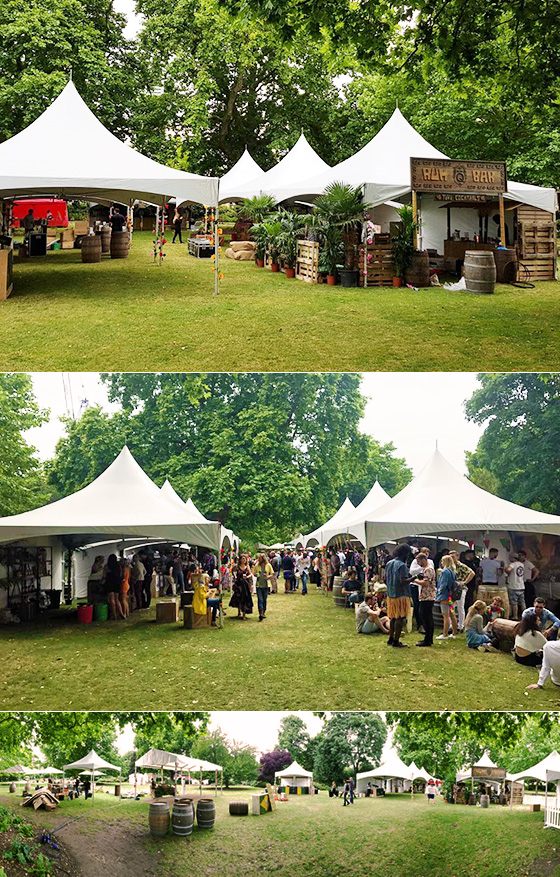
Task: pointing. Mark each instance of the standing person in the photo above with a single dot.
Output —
(86, 786)
(334, 569)
(351, 784)
(263, 573)
(491, 570)
(241, 592)
(275, 567)
(516, 588)
(288, 568)
(427, 593)
(113, 580)
(28, 222)
(530, 574)
(333, 791)
(465, 575)
(125, 586)
(476, 638)
(304, 564)
(147, 583)
(346, 793)
(117, 220)
(469, 558)
(137, 575)
(176, 573)
(398, 594)
(431, 790)
(315, 571)
(444, 596)
(177, 223)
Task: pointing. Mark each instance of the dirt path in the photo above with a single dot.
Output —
(117, 850)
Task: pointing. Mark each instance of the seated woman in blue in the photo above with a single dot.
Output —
(476, 638)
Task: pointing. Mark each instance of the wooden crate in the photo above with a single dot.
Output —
(536, 239)
(376, 264)
(168, 612)
(536, 243)
(536, 268)
(307, 264)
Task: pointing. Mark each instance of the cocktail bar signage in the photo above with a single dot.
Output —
(446, 175)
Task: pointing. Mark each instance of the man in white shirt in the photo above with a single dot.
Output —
(491, 568)
(516, 588)
(550, 665)
(531, 573)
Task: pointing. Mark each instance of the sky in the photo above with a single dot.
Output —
(393, 412)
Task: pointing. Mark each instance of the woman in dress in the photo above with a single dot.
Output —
(113, 580)
(242, 586)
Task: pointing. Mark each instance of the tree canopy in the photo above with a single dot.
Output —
(22, 484)
(348, 742)
(267, 454)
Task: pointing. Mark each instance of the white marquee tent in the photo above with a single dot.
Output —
(92, 763)
(195, 515)
(243, 171)
(161, 759)
(353, 522)
(68, 152)
(439, 500)
(392, 769)
(295, 775)
(300, 163)
(465, 774)
(545, 771)
(418, 773)
(317, 536)
(122, 501)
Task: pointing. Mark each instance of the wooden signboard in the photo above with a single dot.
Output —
(465, 177)
(488, 773)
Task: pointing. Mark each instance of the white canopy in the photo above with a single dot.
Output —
(244, 170)
(466, 772)
(69, 153)
(317, 536)
(439, 500)
(392, 769)
(418, 773)
(300, 163)
(50, 770)
(161, 758)
(382, 166)
(294, 770)
(353, 523)
(122, 501)
(195, 515)
(547, 770)
(91, 762)
(17, 768)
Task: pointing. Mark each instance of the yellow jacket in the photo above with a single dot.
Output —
(199, 599)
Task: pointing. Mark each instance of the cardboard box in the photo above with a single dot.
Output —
(167, 612)
(81, 226)
(67, 239)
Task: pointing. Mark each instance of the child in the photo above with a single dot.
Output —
(476, 639)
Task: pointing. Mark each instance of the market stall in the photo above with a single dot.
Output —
(295, 780)
(182, 766)
(391, 776)
(88, 765)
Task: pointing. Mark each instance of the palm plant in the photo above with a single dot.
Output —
(266, 235)
(402, 243)
(290, 230)
(258, 208)
(338, 209)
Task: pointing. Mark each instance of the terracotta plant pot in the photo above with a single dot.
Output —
(275, 267)
(397, 281)
(331, 279)
(260, 263)
(290, 272)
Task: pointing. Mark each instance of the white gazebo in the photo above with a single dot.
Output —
(317, 537)
(545, 771)
(391, 773)
(89, 765)
(353, 522)
(243, 171)
(295, 775)
(161, 759)
(227, 537)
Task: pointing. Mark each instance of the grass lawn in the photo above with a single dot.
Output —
(131, 315)
(305, 656)
(317, 836)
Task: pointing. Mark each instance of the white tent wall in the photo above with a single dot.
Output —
(433, 223)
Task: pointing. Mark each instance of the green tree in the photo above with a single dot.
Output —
(294, 737)
(519, 446)
(348, 743)
(237, 759)
(22, 485)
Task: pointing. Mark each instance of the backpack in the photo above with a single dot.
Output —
(456, 591)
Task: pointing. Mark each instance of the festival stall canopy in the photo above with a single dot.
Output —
(382, 167)
(392, 769)
(439, 500)
(466, 772)
(50, 770)
(244, 170)
(300, 163)
(122, 501)
(197, 765)
(354, 521)
(418, 773)
(196, 515)
(318, 535)
(157, 758)
(17, 768)
(91, 762)
(547, 770)
(295, 772)
(69, 153)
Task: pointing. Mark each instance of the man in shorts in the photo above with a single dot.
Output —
(516, 588)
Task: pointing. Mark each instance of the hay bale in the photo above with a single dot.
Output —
(239, 246)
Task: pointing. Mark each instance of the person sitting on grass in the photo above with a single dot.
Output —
(369, 618)
(476, 639)
(550, 665)
(529, 641)
(444, 596)
(549, 624)
(352, 589)
(494, 610)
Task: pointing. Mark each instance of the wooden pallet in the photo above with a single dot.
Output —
(536, 239)
(376, 265)
(538, 268)
(536, 243)
(307, 264)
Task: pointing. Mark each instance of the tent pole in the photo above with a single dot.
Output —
(502, 222)
(215, 783)
(92, 789)
(200, 784)
(415, 218)
(216, 253)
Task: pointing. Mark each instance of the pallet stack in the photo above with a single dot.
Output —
(376, 262)
(536, 242)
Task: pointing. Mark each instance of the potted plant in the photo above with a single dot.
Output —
(290, 230)
(266, 235)
(260, 237)
(257, 210)
(402, 243)
(338, 209)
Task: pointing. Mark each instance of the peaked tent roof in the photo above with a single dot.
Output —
(122, 501)
(441, 500)
(300, 163)
(157, 758)
(393, 768)
(91, 761)
(353, 523)
(243, 171)
(318, 534)
(294, 770)
(418, 773)
(546, 770)
(382, 166)
(194, 514)
(68, 152)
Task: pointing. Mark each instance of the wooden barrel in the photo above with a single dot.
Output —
(159, 818)
(205, 813)
(338, 596)
(480, 272)
(182, 818)
(505, 629)
(117, 790)
(485, 801)
(419, 272)
(472, 800)
(12, 788)
(91, 248)
(505, 260)
(238, 808)
(105, 235)
(120, 244)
